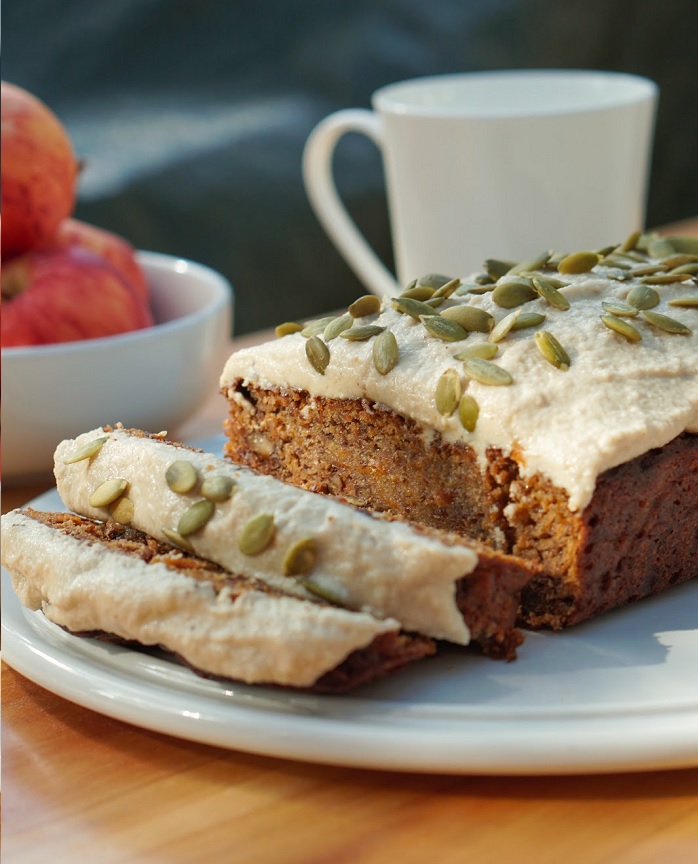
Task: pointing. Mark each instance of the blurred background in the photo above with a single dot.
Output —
(190, 117)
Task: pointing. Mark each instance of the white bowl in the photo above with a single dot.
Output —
(151, 379)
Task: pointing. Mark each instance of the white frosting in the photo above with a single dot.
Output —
(258, 637)
(617, 400)
(385, 568)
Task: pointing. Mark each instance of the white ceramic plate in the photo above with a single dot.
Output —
(618, 694)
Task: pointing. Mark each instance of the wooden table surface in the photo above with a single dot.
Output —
(79, 786)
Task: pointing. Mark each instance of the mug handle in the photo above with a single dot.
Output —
(325, 201)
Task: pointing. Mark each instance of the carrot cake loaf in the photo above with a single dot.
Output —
(107, 580)
(298, 542)
(548, 408)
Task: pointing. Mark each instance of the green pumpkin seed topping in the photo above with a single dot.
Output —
(369, 304)
(181, 476)
(468, 412)
(447, 289)
(413, 308)
(195, 517)
(287, 328)
(485, 372)
(321, 591)
(622, 327)
(664, 322)
(552, 350)
(361, 332)
(536, 263)
(339, 325)
(418, 292)
(318, 354)
(217, 487)
(448, 392)
(666, 278)
(107, 492)
(301, 557)
(87, 452)
(504, 326)
(514, 292)
(177, 540)
(550, 292)
(619, 309)
(495, 268)
(642, 297)
(385, 352)
(685, 302)
(630, 241)
(527, 319)
(257, 534)
(483, 350)
(443, 328)
(433, 280)
(471, 318)
(316, 327)
(579, 262)
(122, 510)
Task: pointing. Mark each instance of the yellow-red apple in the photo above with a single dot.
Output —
(39, 172)
(63, 295)
(112, 247)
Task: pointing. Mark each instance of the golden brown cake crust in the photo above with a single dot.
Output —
(636, 537)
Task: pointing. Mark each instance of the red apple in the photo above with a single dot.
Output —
(39, 172)
(63, 295)
(112, 247)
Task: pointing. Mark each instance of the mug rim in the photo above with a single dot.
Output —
(596, 90)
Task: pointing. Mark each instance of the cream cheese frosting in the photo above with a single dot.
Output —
(257, 637)
(385, 568)
(617, 400)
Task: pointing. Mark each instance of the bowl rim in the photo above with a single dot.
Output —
(154, 261)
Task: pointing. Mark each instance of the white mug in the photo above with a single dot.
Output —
(492, 165)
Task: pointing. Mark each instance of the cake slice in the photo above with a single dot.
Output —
(296, 541)
(108, 580)
(548, 408)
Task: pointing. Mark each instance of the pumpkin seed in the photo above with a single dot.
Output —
(687, 244)
(435, 301)
(527, 319)
(688, 267)
(646, 270)
(322, 592)
(551, 350)
(418, 292)
(578, 262)
(471, 318)
(666, 278)
(301, 557)
(514, 293)
(87, 452)
(447, 289)
(529, 264)
(474, 288)
(443, 328)
(413, 308)
(385, 352)
(468, 412)
(217, 487)
(318, 354)
(369, 304)
(448, 392)
(361, 332)
(122, 510)
(622, 327)
(177, 540)
(664, 322)
(483, 350)
(630, 241)
(195, 517)
(620, 309)
(496, 269)
(685, 302)
(257, 534)
(287, 328)
(642, 297)
(679, 260)
(181, 476)
(339, 325)
(485, 372)
(316, 327)
(550, 293)
(433, 280)
(660, 247)
(107, 492)
(502, 328)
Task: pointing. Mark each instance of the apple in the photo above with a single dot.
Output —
(107, 245)
(63, 295)
(39, 172)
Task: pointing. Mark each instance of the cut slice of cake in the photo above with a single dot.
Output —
(296, 541)
(107, 580)
(548, 408)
